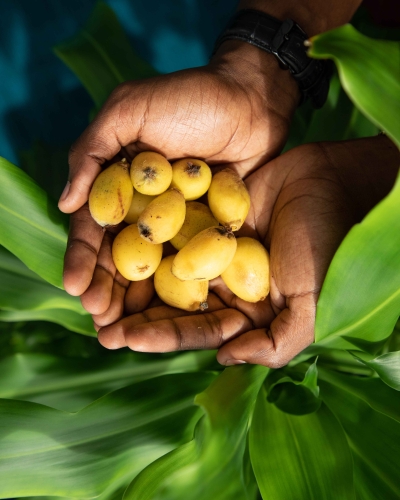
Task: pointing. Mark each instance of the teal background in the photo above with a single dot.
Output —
(41, 101)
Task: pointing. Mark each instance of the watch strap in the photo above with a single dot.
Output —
(285, 40)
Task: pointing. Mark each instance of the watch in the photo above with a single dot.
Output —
(285, 40)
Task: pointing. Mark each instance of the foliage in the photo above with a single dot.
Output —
(80, 422)
(101, 56)
(367, 71)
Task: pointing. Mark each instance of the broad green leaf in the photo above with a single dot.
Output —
(47, 165)
(359, 126)
(24, 296)
(70, 383)
(31, 226)
(374, 439)
(101, 56)
(360, 297)
(337, 120)
(249, 479)
(70, 320)
(370, 390)
(387, 366)
(314, 124)
(303, 456)
(293, 396)
(21, 289)
(336, 359)
(211, 465)
(369, 484)
(369, 72)
(44, 451)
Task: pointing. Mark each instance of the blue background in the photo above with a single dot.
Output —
(40, 98)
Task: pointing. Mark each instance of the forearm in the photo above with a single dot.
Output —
(313, 16)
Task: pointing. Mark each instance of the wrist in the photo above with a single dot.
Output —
(258, 73)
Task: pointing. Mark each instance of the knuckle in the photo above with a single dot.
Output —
(120, 92)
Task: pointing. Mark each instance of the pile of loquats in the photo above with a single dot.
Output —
(155, 199)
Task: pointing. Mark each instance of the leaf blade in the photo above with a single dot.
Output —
(49, 452)
(44, 230)
(368, 69)
(217, 450)
(289, 456)
(101, 56)
(387, 366)
(346, 308)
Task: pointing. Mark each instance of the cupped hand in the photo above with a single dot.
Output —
(235, 111)
(303, 204)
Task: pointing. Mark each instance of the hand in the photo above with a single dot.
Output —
(303, 204)
(235, 111)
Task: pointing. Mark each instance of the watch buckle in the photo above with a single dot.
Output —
(279, 39)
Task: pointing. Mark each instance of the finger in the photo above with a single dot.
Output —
(112, 129)
(138, 296)
(84, 241)
(113, 336)
(261, 313)
(290, 333)
(116, 308)
(97, 298)
(202, 331)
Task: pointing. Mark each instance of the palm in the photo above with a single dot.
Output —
(301, 210)
(199, 112)
(300, 253)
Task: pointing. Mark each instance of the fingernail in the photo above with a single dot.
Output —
(65, 192)
(231, 362)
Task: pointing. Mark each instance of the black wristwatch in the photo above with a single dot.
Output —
(284, 39)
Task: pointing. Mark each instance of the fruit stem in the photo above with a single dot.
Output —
(192, 169)
(145, 231)
(150, 173)
(124, 164)
(225, 231)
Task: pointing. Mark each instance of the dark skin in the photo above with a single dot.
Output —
(236, 112)
(212, 112)
(303, 204)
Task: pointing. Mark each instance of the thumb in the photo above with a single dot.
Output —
(100, 142)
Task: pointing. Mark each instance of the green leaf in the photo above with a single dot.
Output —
(360, 299)
(374, 437)
(47, 165)
(31, 226)
(24, 296)
(211, 465)
(44, 451)
(71, 320)
(337, 120)
(101, 56)
(292, 396)
(249, 479)
(70, 383)
(22, 289)
(369, 72)
(387, 366)
(369, 484)
(371, 390)
(303, 456)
